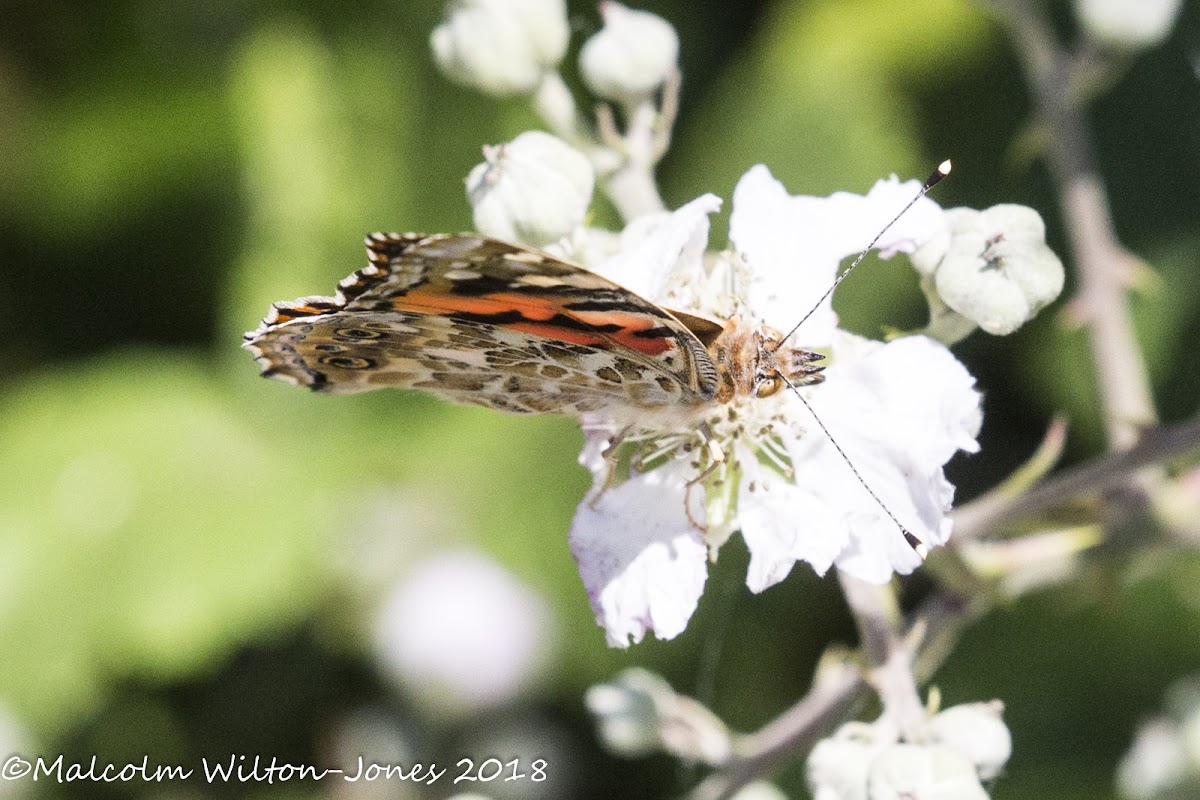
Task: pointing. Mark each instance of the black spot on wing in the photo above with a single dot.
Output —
(348, 362)
(512, 317)
(616, 302)
(657, 333)
(490, 284)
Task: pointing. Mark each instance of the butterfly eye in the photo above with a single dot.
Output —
(768, 385)
(347, 362)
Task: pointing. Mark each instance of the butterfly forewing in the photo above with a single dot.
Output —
(481, 321)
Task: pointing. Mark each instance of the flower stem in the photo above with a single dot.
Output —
(1104, 265)
(553, 102)
(798, 729)
(838, 690)
(1156, 445)
(887, 655)
(631, 186)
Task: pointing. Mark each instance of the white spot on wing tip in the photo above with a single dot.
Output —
(285, 377)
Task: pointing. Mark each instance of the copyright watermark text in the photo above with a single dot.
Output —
(259, 769)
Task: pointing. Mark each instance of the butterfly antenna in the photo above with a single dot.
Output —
(942, 171)
(916, 544)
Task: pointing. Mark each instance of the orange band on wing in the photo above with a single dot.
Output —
(445, 304)
(558, 333)
(537, 310)
(631, 326)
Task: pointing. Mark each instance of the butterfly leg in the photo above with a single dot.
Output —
(609, 453)
(716, 457)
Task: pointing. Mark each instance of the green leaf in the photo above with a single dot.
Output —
(146, 529)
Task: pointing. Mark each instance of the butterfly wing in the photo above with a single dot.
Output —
(477, 320)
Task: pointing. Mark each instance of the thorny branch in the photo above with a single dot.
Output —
(1155, 446)
(1104, 265)
(838, 691)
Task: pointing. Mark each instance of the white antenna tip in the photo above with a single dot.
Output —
(916, 544)
(943, 169)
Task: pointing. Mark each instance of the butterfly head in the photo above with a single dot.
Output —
(752, 362)
(779, 367)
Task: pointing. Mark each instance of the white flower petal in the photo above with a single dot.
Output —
(873, 546)
(656, 248)
(899, 411)
(791, 267)
(643, 562)
(911, 393)
(877, 547)
(795, 244)
(978, 731)
(929, 772)
(887, 198)
(783, 523)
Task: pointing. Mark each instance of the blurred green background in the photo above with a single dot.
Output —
(193, 561)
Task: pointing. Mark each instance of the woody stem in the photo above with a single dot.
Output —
(1104, 266)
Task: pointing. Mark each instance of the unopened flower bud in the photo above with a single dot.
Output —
(1164, 761)
(993, 267)
(501, 46)
(640, 713)
(535, 189)
(1156, 764)
(838, 767)
(1127, 24)
(625, 714)
(760, 790)
(976, 730)
(924, 772)
(631, 56)
(1029, 562)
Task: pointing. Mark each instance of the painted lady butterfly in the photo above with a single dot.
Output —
(477, 320)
